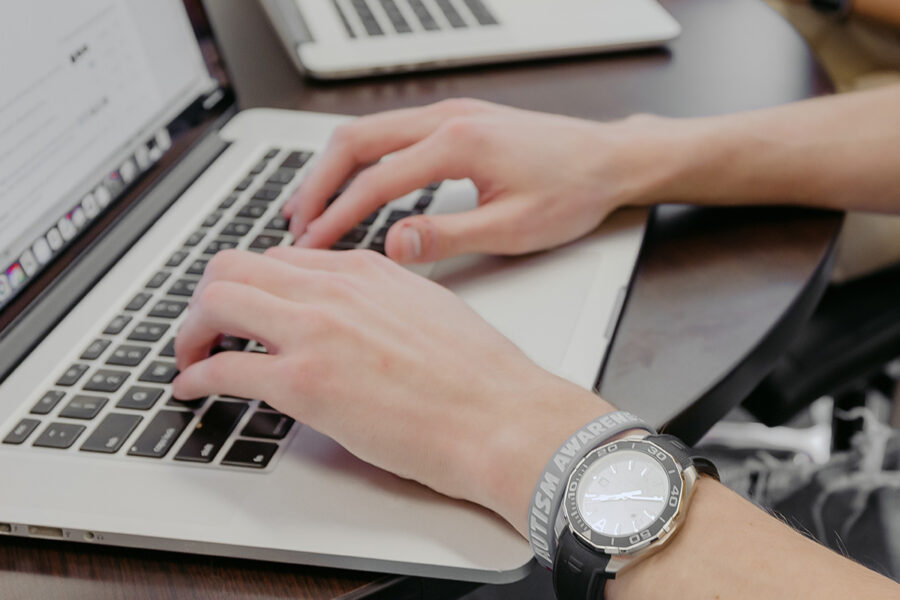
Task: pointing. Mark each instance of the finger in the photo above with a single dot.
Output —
(362, 142)
(346, 261)
(231, 308)
(432, 159)
(257, 270)
(241, 374)
(490, 228)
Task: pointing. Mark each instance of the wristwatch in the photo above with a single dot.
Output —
(837, 8)
(623, 502)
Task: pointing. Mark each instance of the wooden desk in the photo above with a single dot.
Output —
(717, 293)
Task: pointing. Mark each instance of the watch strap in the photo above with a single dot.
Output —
(578, 571)
(550, 489)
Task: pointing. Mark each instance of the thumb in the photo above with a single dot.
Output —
(428, 238)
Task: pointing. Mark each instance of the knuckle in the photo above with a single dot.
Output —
(460, 129)
(364, 259)
(211, 295)
(221, 263)
(461, 106)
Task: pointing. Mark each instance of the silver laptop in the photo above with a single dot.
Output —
(123, 168)
(333, 39)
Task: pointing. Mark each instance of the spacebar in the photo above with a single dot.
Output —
(212, 431)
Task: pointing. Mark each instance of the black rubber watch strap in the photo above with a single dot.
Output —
(684, 454)
(578, 571)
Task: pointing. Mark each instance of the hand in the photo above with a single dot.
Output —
(392, 366)
(543, 180)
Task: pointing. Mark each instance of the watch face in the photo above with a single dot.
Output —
(622, 496)
(622, 493)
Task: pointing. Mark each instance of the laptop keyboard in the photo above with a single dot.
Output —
(374, 18)
(116, 399)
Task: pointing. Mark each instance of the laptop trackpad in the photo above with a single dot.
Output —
(550, 302)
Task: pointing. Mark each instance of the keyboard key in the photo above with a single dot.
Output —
(83, 407)
(453, 17)
(169, 349)
(228, 202)
(95, 349)
(140, 398)
(160, 434)
(271, 425)
(281, 177)
(424, 15)
(244, 184)
(212, 219)
(433, 186)
(72, 375)
(138, 302)
(148, 332)
(260, 167)
(177, 258)
(212, 431)
(117, 325)
(355, 236)
(396, 17)
(47, 402)
(296, 160)
(371, 218)
(21, 431)
(59, 435)
(424, 201)
(253, 210)
(271, 153)
(183, 287)
(167, 309)
(157, 280)
(244, 453)
(278, 223)
(127, 356)
(266, 194)
(396, 215)
(266, 241)
(195, 404)
(343, 17)
(237, 229)
(197, 267)
(481, 12)
(159, 372)
(368, 19)
(219, 245)
(230, 343)
(106, 380)
(111, 433)
(195, 239)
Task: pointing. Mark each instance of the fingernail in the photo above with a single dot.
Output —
(411, 242)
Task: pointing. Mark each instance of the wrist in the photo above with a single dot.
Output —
(515, 455)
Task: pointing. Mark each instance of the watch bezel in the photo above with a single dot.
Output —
(626, 543)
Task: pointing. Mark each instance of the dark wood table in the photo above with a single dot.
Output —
(717, 292)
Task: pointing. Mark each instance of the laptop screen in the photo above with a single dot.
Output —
(89, 89)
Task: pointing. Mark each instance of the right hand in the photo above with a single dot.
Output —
(543, 180)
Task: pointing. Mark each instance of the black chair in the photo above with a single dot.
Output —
(842, 352)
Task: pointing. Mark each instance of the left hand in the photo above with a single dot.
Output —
(392, 366)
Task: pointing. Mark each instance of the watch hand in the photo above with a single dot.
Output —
(653, 498)
(607, 497)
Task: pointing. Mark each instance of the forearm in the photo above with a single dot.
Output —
(726, 548)
(885, 11)
(839, 152)
(730, 549)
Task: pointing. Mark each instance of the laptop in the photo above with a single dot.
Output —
(333, 39)
(125, 166)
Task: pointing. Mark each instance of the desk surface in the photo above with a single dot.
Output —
(716, 294)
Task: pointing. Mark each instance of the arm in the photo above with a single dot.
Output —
(545, 180)
(479, 428)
